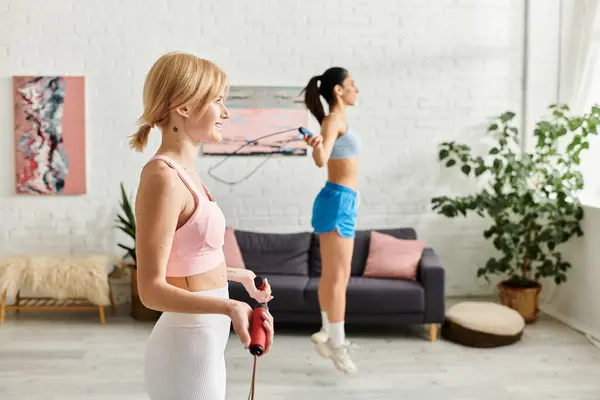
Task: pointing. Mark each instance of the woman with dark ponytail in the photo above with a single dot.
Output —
(335, 208)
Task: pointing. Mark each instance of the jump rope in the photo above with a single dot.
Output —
(258, 335)
(301, 130)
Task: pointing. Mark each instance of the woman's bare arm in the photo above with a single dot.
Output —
(158, 205)
(239, 275)
(246, 278)
(330, 130)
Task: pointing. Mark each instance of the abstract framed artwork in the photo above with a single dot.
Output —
(49, 125)
(258, 111)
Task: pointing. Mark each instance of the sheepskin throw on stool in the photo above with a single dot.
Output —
(60, 276)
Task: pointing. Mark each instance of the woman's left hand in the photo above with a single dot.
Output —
(262, 296)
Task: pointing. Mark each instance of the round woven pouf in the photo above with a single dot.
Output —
(482, 324)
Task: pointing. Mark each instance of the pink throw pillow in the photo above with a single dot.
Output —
(233, 255)
(390, 257)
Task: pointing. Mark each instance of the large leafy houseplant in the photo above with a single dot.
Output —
(530, 197)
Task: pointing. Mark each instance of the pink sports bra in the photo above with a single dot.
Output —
(198, 243)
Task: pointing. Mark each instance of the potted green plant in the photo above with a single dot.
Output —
(529, 197)
(126, 223)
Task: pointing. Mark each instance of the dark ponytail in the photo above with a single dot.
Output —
(313, 91)
(312, 99)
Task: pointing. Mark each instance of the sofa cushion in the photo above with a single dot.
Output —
(287, 291)
(275, 253)
(361, 249)
(390, 257)
(231, 249)
(375, 295)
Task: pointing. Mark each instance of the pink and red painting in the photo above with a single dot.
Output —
(258, 111)
(49, 126)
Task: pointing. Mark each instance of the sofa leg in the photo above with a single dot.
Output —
(433, 332)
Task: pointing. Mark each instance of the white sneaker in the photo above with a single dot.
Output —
(320, 340)
(340, 356)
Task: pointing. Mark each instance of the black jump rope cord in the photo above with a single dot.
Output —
(244, 145)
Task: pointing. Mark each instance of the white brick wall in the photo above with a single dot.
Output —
(427, 71)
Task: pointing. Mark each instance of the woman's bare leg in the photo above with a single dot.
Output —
(336, 261)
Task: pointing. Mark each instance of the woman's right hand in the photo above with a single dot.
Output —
(241, 315)
(313, 140)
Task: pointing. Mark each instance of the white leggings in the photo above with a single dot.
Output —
(185, 355)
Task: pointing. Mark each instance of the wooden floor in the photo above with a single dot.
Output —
(70, 356)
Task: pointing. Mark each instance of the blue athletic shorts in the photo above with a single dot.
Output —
(335, 208)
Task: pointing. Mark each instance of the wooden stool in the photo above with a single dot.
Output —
(51, 304)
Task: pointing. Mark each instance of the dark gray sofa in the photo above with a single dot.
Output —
(292, 264)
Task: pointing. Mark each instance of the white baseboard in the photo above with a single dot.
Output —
(571, 322)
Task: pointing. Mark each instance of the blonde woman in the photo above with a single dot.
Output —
(180, 233)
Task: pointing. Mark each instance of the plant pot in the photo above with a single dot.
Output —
(524, 300)
(138, 310)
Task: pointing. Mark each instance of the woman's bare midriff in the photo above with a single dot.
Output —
(343, 172)
(213, 279)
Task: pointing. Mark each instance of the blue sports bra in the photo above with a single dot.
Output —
(346, 146)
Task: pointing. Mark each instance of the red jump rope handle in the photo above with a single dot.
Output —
(258, 335)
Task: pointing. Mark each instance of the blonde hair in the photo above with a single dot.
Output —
(176, 79)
